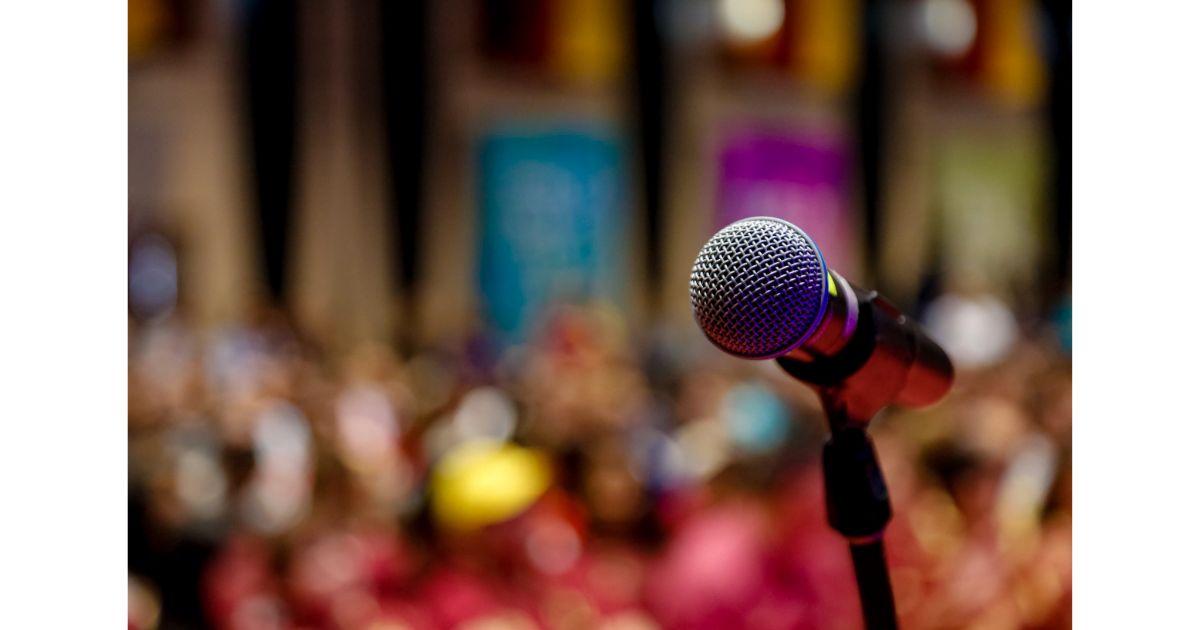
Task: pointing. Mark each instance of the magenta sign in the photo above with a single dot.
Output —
(798, 177)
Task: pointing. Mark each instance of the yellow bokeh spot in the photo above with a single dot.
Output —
(147, 21)
(588, 44)
(483, 482)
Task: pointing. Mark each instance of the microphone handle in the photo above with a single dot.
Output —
(888, 359)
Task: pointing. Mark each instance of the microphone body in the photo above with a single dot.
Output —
(760, 289)
(886, 358)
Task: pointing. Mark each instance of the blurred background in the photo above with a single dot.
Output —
(409, 336)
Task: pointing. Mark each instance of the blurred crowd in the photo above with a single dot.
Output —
(592, 478)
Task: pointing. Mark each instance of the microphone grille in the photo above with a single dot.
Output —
(758, 288)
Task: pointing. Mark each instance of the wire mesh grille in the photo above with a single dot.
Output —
(758, 287)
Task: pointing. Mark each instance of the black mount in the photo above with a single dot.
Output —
(856, 497)
(857, 506)
(853, 390)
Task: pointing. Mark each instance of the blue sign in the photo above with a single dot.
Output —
(552, 222)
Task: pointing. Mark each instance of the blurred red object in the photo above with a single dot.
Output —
(240, 572)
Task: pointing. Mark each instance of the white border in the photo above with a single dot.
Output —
(63, 120)
(62, 256)
(1137, 439)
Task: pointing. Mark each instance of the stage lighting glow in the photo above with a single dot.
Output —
(153, 277)
(976, 331)
(367, 428)
(485, 413)
(200, 483)
(749, 21)
(553, 547)
(949, 26)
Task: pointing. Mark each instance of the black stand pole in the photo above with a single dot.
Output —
(878, 366)
(874, 587)
(856, 502)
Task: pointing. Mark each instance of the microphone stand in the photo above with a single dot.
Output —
(867, 376)
(856, 497)
(857, 506)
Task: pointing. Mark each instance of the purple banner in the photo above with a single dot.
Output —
(798, 177)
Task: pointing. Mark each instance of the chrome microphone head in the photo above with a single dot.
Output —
(759, 288)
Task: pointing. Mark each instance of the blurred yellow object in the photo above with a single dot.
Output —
(484, 482)
(146, 19)
(1012, 62)
(588, 44)
(825, 48)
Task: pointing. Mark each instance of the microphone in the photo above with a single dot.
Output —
(760, 289)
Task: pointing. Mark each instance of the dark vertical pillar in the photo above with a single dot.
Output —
(1058, 13)
(871, 110)
(270, 75)
(406, 101)
(650, 94)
